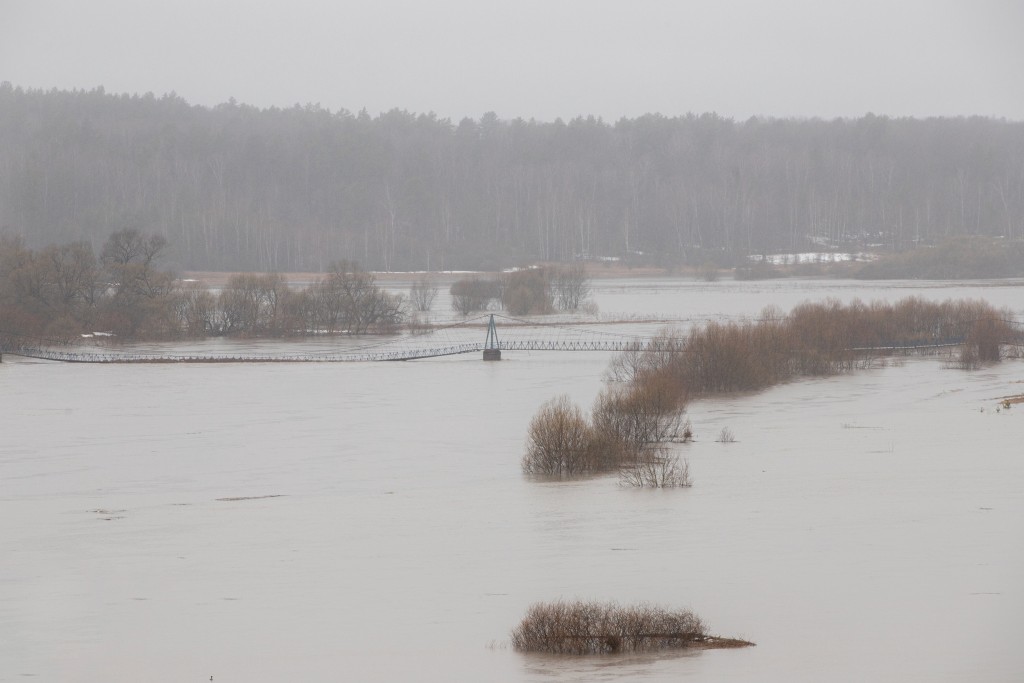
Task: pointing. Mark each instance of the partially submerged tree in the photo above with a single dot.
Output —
(646, 412)
(140, 304)
(196, 309)
(527, 292)
(643, 405)
(62, 291)
(349, 300)
(571, 286)
(474, 294)
(559, 440)
(627, 427)
(250, 304)
(422, 294)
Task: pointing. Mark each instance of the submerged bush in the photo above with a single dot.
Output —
(581, 628)
(559, 440)
(656, 468)
(627, 426)
(474, 294)
(649, 383)
(527, 292)
(815, 339)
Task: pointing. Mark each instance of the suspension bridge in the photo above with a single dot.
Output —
(459, 338)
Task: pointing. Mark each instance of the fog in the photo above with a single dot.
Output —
(371, 521)
(534, 59)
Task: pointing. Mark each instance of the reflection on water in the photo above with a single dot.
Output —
(617, 667)
(369, 521)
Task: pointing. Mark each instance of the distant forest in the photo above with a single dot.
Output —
(234, 187)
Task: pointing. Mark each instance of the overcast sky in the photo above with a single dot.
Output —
(539, 59)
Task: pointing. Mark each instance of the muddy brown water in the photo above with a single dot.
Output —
(259, 522)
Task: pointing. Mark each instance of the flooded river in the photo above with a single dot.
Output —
(369, 521)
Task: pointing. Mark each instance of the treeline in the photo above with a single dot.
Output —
(243, 189)
(60, 292)
(642, 407)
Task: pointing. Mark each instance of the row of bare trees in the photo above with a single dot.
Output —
(64, 290)
(346, 300)
(641, 408)
(59, 292)
(523, 292)
(822, 338)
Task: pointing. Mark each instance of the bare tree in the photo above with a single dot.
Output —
(422, 294)
(349, 300)
(75, 273)
(196, 309)
(250, 304)
(474, 294)
(571, 286)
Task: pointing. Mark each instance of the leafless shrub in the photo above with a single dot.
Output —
(606, 451)
(985, 337)
(474, 294)
(195, 308)
(640, 413)
(650, 358)
(688, 432)
(570, 286)
(422, 294)
(627, 364)
(527, 291)
(627, 422)
(348, 300)
(814, 339)
(579, 628)
(559, 440)
(652, 381)
(656, 468)
(249, 304)
(419, 325)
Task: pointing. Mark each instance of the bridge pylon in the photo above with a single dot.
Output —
(492, 350)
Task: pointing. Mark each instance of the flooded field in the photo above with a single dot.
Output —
(369, 521)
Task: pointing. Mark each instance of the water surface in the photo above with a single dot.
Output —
(262, 522)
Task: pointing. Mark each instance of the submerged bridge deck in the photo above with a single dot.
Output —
(451, 340)
(459, 338)
(67, 356)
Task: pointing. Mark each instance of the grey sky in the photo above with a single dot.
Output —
(541, 59)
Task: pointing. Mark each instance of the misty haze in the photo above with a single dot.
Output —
(547, 342)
